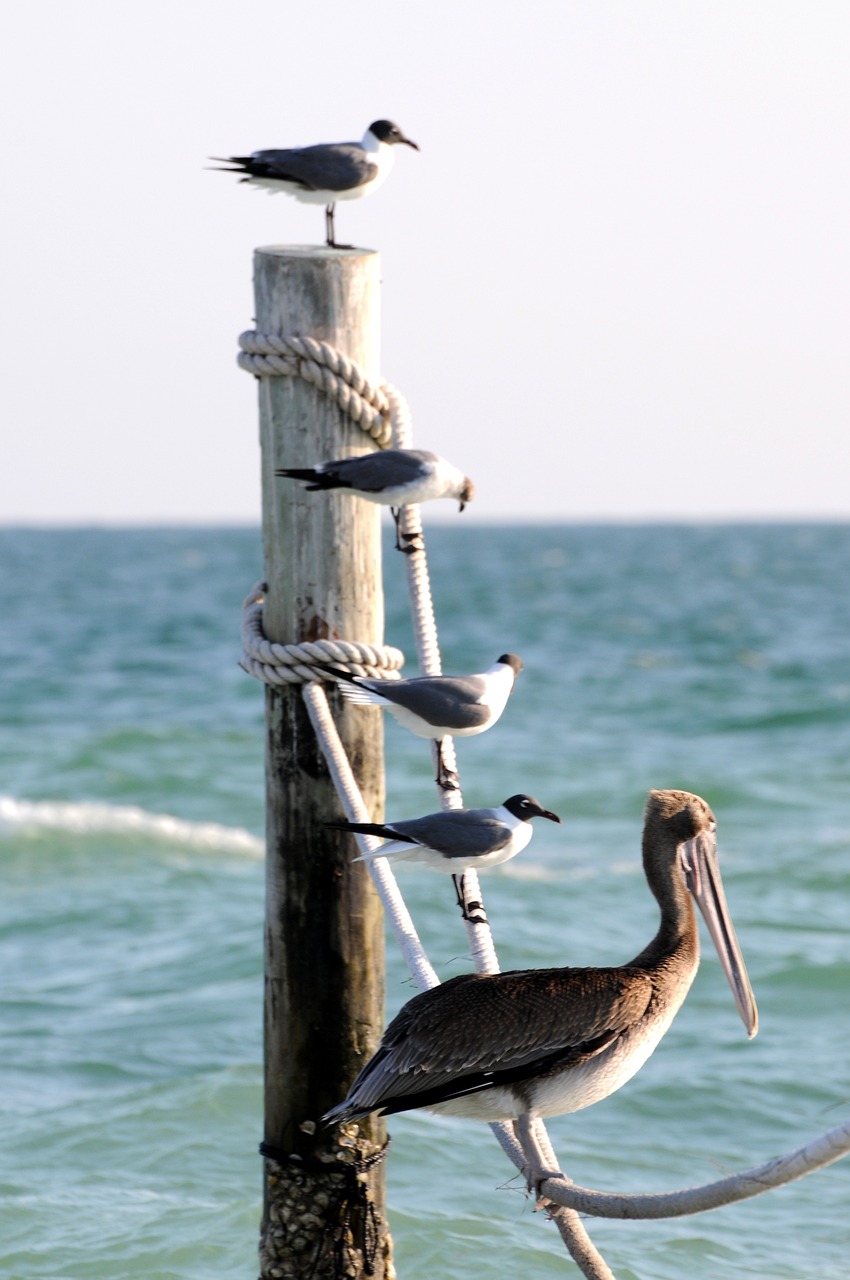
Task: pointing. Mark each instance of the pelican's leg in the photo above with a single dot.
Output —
(541, 1162)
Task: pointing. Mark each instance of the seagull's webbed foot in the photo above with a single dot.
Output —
(473, 912)
(446, 779)
(410, 538)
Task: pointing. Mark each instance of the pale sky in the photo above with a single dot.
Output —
(616, 277)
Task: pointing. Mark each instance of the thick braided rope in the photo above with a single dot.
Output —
(427, 643)
(335, 374)
(355, 809)
(281, 664)
(267, 660)
(323, 366)
(383, 412)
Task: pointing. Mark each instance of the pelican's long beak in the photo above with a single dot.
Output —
(702, 874)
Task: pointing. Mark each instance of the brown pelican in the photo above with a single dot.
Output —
(542, 1042)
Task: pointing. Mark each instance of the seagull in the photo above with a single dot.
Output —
(456, 840)
(542, 1042)
(438, 707)
(391, 477)
(324, 173)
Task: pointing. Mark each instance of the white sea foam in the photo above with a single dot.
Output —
(95, 818)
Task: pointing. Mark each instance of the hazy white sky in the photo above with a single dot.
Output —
(615, 279)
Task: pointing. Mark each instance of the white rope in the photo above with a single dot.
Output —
(384, 880)
(282, 664)
(268, 355)
(821, 1151)
(383, 412)
(582, 1249)
(428, 652)
(326, 368)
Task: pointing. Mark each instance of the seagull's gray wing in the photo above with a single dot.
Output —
(383, 469)
(449, 701)
(474, 1032)
(456, 833)
(327, 167)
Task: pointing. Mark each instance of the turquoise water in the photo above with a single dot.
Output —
(711, 658)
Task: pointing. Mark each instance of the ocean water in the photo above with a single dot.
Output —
(714, 658)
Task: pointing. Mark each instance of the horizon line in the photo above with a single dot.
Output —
(90, 523)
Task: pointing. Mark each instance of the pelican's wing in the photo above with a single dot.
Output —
(475, 1032)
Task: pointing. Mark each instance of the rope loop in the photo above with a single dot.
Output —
(269, 355)
(283, 664)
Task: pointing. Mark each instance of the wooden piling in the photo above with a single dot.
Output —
(324, 948)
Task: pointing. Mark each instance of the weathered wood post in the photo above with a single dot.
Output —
(324, 949)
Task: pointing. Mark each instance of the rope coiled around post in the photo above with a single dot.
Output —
(323, 366)
(282, 664)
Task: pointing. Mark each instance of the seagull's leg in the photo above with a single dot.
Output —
(540, 1163)
(457, 881)
(329, 230)
(471, 911)
(447, 779)
(395, 512)
(416, 536)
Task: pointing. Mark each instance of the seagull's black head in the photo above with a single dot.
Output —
(526, 807)
(386, 131)
(512, 661)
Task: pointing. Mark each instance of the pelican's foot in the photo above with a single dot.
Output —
(534, 1179)
(539, 1159)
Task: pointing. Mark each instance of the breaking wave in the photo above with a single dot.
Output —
(97, 818)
